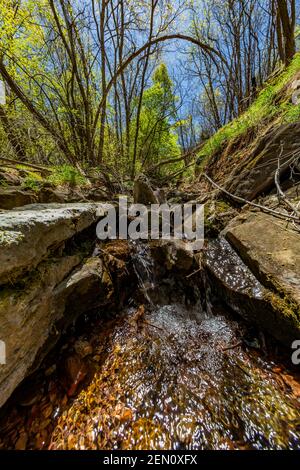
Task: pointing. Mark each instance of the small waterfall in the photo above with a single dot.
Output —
(143, 266)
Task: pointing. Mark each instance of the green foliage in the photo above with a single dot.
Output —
(264, 107)
(67, 175)
(292, 113)
(32, 181)
(157, 137)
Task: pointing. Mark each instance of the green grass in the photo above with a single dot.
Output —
(264, 107)
(32, 181)
(63, 175)
(67, 175)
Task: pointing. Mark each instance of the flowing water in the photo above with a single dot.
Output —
(168, 376)
(170, 382)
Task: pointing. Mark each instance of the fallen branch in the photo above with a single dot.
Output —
(281, 196)
(170, 160)
(30, 165)
(267, 210)
(193, 273)
(177, 173)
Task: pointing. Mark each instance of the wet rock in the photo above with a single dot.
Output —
(271, 249)
(234, 282)
(293, 384)
(27, 235)
(33, 316)
(173, 254)
(83, 348)
(119, 249)
(27, 317)
(50, 370)
(21, 442)
(76, 372)
(47, 410)
(88, 287)
(41, 439)
(15, 197)
(143, 192)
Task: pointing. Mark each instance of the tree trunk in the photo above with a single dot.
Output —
(286, 11)
(12, 135)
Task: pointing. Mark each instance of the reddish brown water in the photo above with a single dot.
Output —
(172, 378)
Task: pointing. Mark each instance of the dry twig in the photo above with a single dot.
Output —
(280, 215)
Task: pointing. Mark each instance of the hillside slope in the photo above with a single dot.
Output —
(243, 155)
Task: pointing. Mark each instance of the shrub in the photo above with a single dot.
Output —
(67, 175)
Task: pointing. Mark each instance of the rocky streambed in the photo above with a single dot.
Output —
(144, 345)
(169, 376)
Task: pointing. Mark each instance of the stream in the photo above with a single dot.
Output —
(168, 372)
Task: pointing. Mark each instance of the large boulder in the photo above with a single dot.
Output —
(271, 250)
(33, 317)
(28, 234)
(176, 255)
(232, 280)
(46, 281)
(16, 197)
(143, 192)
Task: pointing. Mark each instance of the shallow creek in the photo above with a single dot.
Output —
(168, 375)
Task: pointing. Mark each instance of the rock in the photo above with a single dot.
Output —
(21, 442)
(173, 254)
(32, 319)
(218, 214)
(47, 410)
(48, 195)
(15, 197)
(30, 397)
(27, 235)
(26, 320)
(272, 251)
(232, 281)
(119, 249)
(96, 194)
(293, 384)
(55, 287)
(10, 178)
(41, 439)
(76, 372)
(86, 288)
(83, 348)
(143, 193)
(50, 370)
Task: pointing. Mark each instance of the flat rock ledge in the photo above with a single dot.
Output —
(27, 234)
